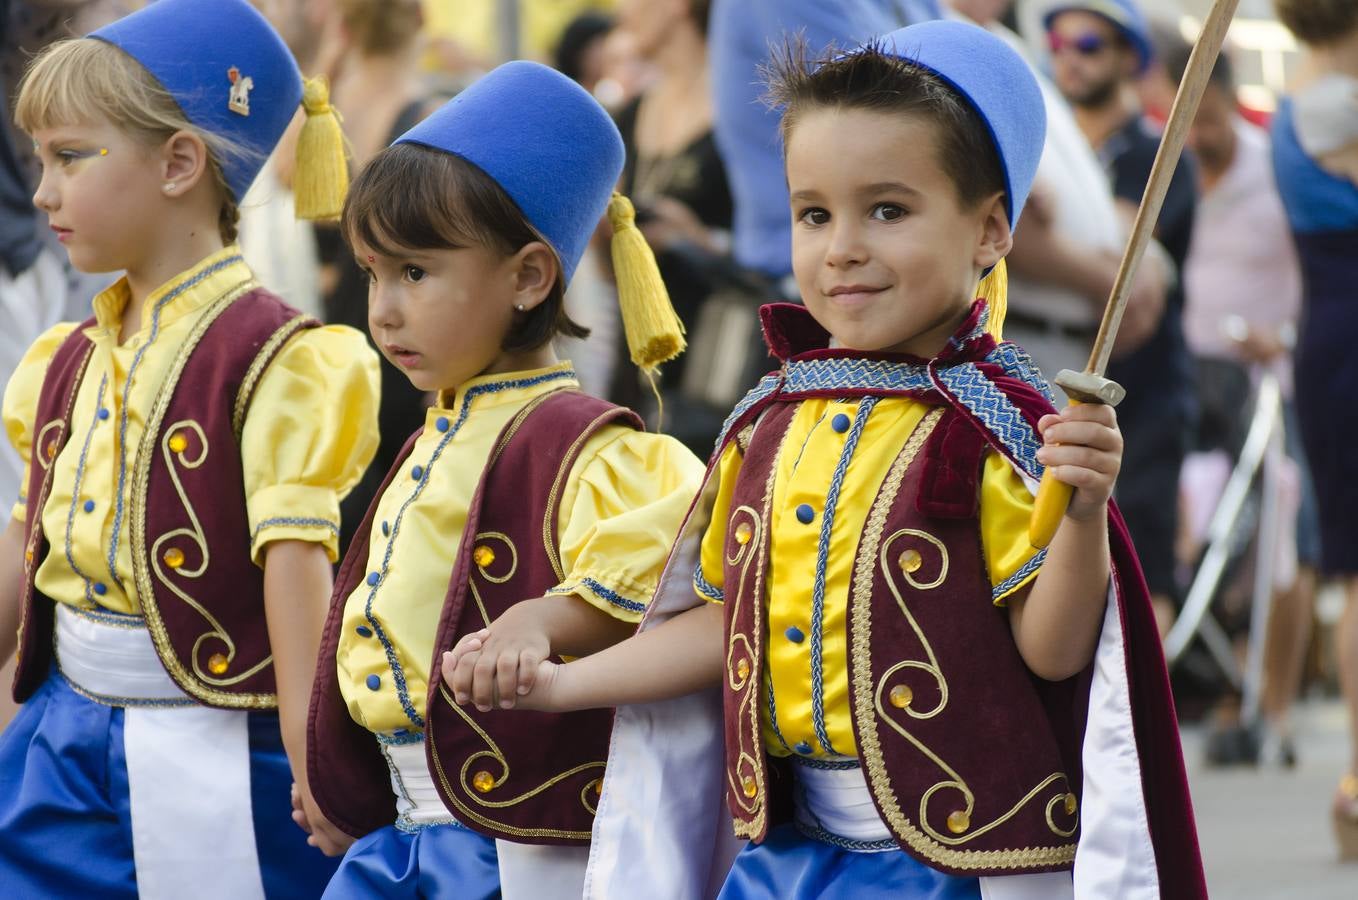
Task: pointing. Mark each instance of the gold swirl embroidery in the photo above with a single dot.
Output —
(142, 570)
(492, 536)
(869, 711)
(496, 756)
(175, 447)
(47, 440)
(595, 787)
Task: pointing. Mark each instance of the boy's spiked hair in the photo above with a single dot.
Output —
(874, 79)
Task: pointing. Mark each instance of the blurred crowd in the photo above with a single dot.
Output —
(1244, 284)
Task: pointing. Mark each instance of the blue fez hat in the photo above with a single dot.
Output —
(544, 140)
(225, 66)
(995, 80)
(1124, 15)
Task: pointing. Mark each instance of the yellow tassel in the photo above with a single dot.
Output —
(994, 289)
(654, 333)
(322, 177)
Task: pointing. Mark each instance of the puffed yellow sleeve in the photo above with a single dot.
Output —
(20, 407)
(710, 579)
(1006, 508)
(621, 509)
(308, 437)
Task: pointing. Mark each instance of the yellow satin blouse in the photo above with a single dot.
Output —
(310, 432)
(624, 500)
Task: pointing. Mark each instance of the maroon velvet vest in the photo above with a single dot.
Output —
(200, 592)
(972, 761)
(529, 777)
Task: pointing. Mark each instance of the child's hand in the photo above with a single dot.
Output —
(469, 649)
(323, 836)
(496, 666)
(1083, 447)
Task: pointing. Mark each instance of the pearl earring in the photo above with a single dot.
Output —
(169, 186)
(519, 307)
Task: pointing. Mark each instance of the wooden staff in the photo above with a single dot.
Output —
(1090, 386)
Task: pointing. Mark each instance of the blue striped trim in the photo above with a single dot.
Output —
(816, 833)
(767, 386)
(127, 392)
(827, 522)
(285, 521)
(706, 588)
(393, 662)
(1016, 363)
(997, 413)
(1013, 581)
(848, 373)
(75, 494)
(603, 593)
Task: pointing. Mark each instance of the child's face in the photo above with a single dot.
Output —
(98, 186)
(885, 256)
(440, 316)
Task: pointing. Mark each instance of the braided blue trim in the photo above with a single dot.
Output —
(112, 700)
(75, 494)
(393, 662)
(773, 720)
(827, 522)
(1018, 577)
(816, 833)
(706, 588)
(108, 617)
(831, 765)
(280, 521)
(127, 392)
(603, 593)
(399, 738)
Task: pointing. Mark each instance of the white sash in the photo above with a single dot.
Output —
(838, 801)
(536, 871)
(188, 765)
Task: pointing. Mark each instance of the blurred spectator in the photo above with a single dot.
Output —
(381, 95)
(470, 31)
(1242, 300)
(675, 178)
(579, 55)
(1099, 48)
(1315, 158)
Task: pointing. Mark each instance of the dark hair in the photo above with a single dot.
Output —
(1318, 22)
(871, 78)
(1175, 51)
(415, 198)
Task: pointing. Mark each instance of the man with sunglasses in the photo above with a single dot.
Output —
(1099, 49)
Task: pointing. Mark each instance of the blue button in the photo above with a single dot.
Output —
(373, 578)
(417, 473)
(103, 414)
(803, 748)
(386, 530)
(840, 423)
(794, 634)
(101, 589)
(442, 423)
(805, 514)
(364, 631)
(374, 682)
(89, 506)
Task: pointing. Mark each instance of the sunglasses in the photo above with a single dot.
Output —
(1083, 44)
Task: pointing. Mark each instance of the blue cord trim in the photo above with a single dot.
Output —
(109, 617)
(773, 720)
(110, 700)
(398, 673)
(832, 765)
(827, 522)
(1013, 581)
(127, 392)
(816, 833)
(75, 494)
(766, 386)
(604, 593)
(283, 521)
(706, 588)
(399, 738)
